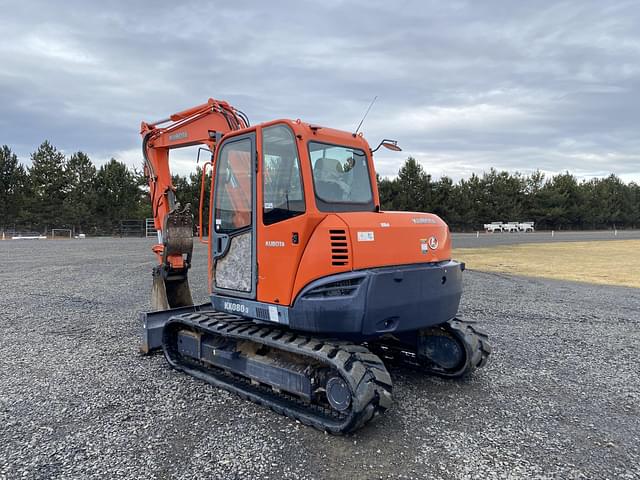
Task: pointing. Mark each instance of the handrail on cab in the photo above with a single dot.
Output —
(201, 238)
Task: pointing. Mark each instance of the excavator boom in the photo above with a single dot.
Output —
(204, 125)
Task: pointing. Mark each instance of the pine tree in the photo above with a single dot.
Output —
(562, 202)
(48, 187)
(80, 203)
(387, 190)
(443, 200)
(118, 195)
(13, 180)
(412, 187)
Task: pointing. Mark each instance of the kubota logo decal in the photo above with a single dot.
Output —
(423, 220)
(274, 243)
(177, 136)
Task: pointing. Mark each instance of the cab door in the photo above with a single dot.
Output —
(283, 227)
(234, 219)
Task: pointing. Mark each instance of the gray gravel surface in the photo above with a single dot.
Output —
(559, 399)
(483, 239)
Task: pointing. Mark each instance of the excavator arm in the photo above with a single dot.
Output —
(201, 125)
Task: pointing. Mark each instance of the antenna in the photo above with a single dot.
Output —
(365, 115)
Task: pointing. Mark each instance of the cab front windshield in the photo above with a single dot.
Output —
(340, 178)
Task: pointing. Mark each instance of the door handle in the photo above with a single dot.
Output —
(221, 245)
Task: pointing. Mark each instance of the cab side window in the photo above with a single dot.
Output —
(283, 195)
(234, 187)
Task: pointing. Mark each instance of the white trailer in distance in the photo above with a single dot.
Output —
(526, 227)
(510, 227)
(493, 227)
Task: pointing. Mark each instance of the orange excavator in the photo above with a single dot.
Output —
(313, 288)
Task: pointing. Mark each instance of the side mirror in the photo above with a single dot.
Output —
(203, 149)
(389, 144)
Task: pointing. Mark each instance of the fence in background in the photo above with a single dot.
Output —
(150, 228)
(132, 228)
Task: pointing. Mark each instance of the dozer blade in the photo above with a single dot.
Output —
(152, 324)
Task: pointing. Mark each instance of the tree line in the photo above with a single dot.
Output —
(67, 192)
(57, 191)
(559, 202)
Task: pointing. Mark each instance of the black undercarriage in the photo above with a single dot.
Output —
(332, 385)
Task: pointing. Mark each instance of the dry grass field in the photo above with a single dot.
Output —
(603, 262)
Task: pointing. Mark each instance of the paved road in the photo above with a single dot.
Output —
(482, 239)
(559, 399)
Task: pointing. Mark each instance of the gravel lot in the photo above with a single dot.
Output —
(560, 397)
(483, 239)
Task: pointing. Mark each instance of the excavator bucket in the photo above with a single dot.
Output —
(170, 290)
(170, 295)
(171, 285)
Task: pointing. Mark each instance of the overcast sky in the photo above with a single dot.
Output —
(463, 86)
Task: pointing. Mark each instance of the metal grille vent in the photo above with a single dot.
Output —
(341, 288)
(339, 247)
(262, 313)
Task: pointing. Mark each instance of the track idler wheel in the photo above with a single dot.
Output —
(453, 349)
(338, 394)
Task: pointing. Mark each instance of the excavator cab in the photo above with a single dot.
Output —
(272, 186)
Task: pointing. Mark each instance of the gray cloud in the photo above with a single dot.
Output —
(463, 86)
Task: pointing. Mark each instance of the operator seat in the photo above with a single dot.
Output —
(326, 173)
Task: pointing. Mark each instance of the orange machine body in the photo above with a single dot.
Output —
(315, 255)
(332, 242)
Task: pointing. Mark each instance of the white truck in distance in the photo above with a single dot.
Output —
(494, 227)
(526, 227)
(510, 227)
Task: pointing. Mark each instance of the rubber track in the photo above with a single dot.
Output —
(476, 344)
(364, 372)
(474, 341)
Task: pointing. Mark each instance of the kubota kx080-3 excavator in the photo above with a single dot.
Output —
(313, 288)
